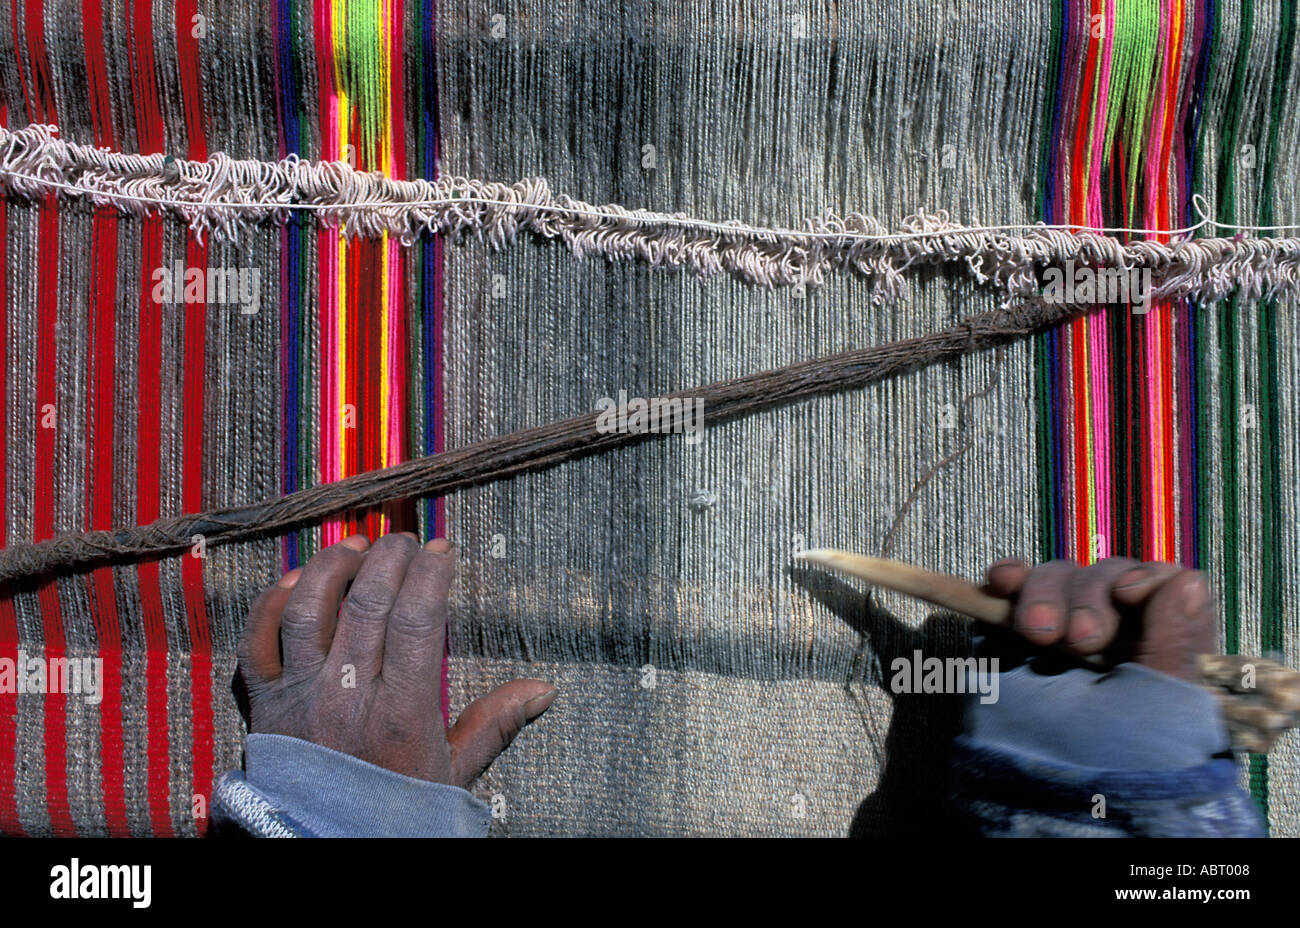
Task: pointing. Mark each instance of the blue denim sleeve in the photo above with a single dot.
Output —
(293, 788)
(1069, 752)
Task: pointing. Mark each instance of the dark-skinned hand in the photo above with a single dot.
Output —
(311, 635)
(1157, 614)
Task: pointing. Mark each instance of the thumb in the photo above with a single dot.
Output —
(488, 725)
(1180, 624)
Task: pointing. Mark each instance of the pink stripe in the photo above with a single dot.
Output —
(330, 411)
(1099, 346)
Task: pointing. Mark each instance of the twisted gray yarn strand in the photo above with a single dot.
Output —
(528, 449)
(222, 194)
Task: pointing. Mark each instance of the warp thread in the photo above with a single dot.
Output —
(220, 194)
(525, 450)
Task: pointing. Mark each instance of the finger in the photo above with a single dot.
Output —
(1136, 585)
(359, 637)
(1005, 577)
(488, 725)
(1178, 625)
(417, 628)
(258, 651)
(1044, 598)
(1093, 620)
(307, 623)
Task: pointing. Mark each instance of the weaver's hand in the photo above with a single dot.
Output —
(365, 678)
(1157, 614)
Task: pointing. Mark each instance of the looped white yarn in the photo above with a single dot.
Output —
(222, 195)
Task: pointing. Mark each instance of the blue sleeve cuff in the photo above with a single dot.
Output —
(1131, 718)
(318, 792)
(1064, 750)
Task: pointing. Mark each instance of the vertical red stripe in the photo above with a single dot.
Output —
(100, 437)
(350, 440)
(402, 513)
(352, 397)
(1166, 220)
(370, 280)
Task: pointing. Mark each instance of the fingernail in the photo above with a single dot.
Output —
(288, 581)
(438, 546)
(539, 704)
(1085, 625)
(1040, 617)
(1198, 593)
(1134, 578)
(356, 542)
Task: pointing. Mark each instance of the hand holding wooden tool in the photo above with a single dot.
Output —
(1260, 698)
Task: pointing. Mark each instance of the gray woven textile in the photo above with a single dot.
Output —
(767, 716)
(708, 686)
(668, 564)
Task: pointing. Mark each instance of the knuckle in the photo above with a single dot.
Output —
(1006, 573)
(407, 690)
(1093, 583)
(368, 601)
(1053, 569)
(336, 706)
(300, 675)
(1050, 580)
(1117, 565)
(1007, 562)
(401, 727)
(300, 623)
(392, 550)
(312, 589)
(333, 558)
(417, 623)
(401, 541)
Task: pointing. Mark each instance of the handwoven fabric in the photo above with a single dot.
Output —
(707, 685)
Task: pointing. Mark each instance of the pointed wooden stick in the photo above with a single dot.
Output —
(940, 589)
(1260, 698)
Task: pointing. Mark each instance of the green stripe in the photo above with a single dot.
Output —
(1141, 21)
(1228, 153)
(1271, 602)
(365, 51)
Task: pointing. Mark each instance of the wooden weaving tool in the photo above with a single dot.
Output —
(1260, 698)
